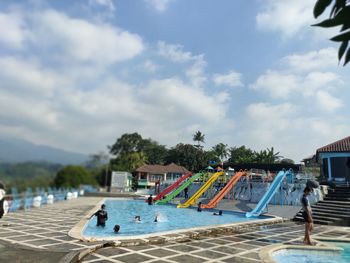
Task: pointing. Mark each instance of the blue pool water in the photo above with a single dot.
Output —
(123, 211)
(311, 256)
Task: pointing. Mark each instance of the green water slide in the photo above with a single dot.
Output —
(182, 187)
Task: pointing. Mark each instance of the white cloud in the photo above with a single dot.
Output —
(310, 90)
(83, 40)
(231, 79)
(265, 125)
(277, 84)
(26, 77)
(175, 52)
(313, 60)
(52, 97)
(159, 5)
(301, 75)
(150, 66)
(327, 102)
(289, 129)
(59, 117)
(12, 32)
(106, 3)
(285, 17)
(196, 72)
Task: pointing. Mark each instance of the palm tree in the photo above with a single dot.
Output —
(267, 156)
(198, 137)
(221, 151)
(273, 157)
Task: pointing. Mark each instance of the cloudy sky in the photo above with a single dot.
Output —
(78, 74)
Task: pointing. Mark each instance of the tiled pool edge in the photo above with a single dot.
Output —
(267, 252)
(155, 238)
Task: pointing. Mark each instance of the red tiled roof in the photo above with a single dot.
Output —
(342, 145)
(162, 169)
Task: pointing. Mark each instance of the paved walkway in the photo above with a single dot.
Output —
(28, 236)
(47, 227)
(238, 247)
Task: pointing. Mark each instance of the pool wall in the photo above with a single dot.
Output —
(159, 237)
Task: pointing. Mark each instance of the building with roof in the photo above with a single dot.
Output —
(148, 175)
(335, 160)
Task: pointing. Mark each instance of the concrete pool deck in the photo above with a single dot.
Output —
(28, 236)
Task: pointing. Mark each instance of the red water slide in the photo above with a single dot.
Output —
(213, 202)
(172, 187)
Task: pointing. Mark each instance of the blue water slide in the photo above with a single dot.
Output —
(269, 194)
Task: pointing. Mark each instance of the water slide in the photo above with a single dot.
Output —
(201, 190)
(269, 194)
(172, 187)
(213, 202)
(182, 187)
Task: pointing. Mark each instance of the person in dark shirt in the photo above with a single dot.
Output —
(307, 215)
(2, 199)
(186, 192)
(199, 208)
(102, 216)
(150, 200)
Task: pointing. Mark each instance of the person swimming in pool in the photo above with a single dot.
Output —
(137, 219)
(116, 228)
(150, 200)
(307, 215)
(102, 216)
(199, 208)
(218, 214)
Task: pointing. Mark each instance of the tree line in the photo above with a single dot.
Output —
(129, 152)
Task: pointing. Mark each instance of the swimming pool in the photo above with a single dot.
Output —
(123, 211)
(312, 256)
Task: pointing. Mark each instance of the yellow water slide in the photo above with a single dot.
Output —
(198, 194)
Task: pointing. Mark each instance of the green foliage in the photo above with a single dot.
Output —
(241, 155)
(132, 151)
(246, 155)
(127, 143)
(198, 137)
(287, 161)
(28, 174)
(99, 173)
(97, 160)
(134, 183)
(73, 176)
(128, 162)
(154, 152)
(267, 156)
(187, 155)
(339, 16)
(221, 151)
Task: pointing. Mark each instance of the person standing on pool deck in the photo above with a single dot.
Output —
(307, 215)
(186, 192)
(150, 200)
(101, 215)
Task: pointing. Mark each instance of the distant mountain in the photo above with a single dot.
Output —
(15, 150)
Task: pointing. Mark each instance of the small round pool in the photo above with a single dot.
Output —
(313, 256)
(123, 211)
